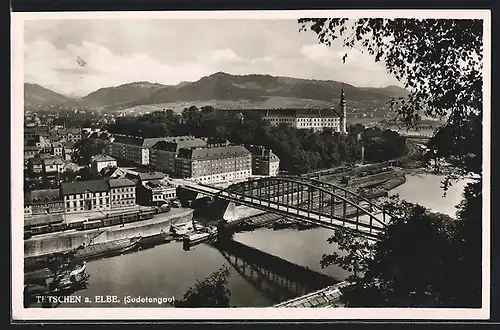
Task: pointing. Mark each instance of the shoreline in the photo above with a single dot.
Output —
(42, 246)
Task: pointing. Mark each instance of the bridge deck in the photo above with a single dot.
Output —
(333, 222)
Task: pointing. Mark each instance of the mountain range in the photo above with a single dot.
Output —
(221, 89)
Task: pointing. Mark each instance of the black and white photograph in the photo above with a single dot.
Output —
(251, 165)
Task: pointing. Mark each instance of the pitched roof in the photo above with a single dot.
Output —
(149, 142)
(55, 160)
(120, 182)
(157, 184)
(302, 113)
(146, 176)
(213, 152)
(175, 146)
(44, 195)
(80, 187)
(102, 158)
(31, 148)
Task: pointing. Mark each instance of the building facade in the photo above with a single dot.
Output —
(264, 161)
(162, 155)
(123, 192)
(44, 201)
(137, 150)
(156, 191)
(315, 119)
(85, 196)
(100, 162)
(214, 164)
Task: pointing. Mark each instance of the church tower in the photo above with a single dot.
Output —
(343, 113)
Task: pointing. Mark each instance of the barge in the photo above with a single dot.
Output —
(107, 249)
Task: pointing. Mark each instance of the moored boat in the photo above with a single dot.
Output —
(202, 236)
(107, 249)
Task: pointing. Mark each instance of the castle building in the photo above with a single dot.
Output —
(315, 119)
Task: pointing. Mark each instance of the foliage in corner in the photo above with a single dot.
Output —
(211, 292)
(439, 61)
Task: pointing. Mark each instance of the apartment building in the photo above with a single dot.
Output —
(123, 192)
(264, 161)
(136, 149)
(164, 153)
(214, 164)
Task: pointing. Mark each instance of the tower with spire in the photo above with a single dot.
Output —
(343, 113)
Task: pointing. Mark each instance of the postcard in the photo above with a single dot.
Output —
(229, 165)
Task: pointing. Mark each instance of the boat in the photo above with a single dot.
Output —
(202, 236)
(107, 249)
(181, 229)
(68, 278)
(282, 224)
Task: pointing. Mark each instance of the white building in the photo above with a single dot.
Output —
(315, 119)
(214, 164)
(100, 162)
(85, 196)
(123, 192)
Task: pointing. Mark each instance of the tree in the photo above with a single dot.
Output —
(87, 148)
(440, 62)
(211, 292)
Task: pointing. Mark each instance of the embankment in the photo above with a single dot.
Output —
(39, 246)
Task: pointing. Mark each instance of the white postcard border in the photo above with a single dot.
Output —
(82, 314)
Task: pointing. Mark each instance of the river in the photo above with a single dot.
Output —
(168, 270)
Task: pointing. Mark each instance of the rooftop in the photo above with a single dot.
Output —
(175, 146)
(302, 113)
(157, 184)
(153, 175)
(55, 160)
(149, 142)
(44, 195)
(213, 152)
(102, 158)
(120, 182)
(81, 187)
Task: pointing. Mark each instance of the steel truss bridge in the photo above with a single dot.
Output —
(307, 200)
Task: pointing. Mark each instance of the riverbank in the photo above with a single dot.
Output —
(39, 247)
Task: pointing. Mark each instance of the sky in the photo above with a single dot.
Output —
(76, 57)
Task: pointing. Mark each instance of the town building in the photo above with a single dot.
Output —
(214, 164)
(68, 150)
(45, 201)
(85, 196)
(31, 151)
(100, 162)
(155, 191)
(315, 119)
(35, 166)
(53, 166)
(123, 192)
(57, 149)
(264, 161)
(112, 173)
(68, 135)
(136, 149)
(164, 153)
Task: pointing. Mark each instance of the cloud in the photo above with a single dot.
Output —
(316, 52)
(60, 70)
(171, 51)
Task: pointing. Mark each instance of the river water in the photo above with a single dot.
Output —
(168, 270)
